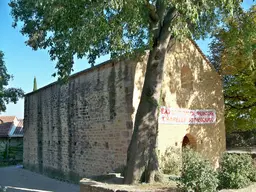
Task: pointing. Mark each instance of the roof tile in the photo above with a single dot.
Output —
(5, 119)
(19, 129)
(5, 129)
(6, 125)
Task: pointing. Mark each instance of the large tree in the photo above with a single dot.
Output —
(69, 28)
(7, 95)
(233, 54)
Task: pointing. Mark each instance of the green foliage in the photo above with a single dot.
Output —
(197, 173)
(7, 94)
(234, 44)
(5, 153)
(241, 139)
(91, 29)
(35, 84)
(233, 54)
(171, 161)
(3, 189)
(240, 101)
(236, 171)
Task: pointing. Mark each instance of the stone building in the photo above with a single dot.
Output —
(83, 128)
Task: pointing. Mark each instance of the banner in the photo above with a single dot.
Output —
(186, 116)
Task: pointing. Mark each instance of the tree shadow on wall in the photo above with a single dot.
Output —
(202, 90)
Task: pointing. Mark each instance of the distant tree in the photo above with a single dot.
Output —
(7, 95)
(233, 54)
(35, 84)
(81, 28)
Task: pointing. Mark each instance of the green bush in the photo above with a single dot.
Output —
(197, 173)
(253, 175)
(236, 171)
(3, 189)
(170, 162)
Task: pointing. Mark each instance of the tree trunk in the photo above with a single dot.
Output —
(142, 160)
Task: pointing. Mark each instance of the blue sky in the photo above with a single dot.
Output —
(24, 63)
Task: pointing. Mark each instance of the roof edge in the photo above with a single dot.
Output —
(98, 66)
(114, 61)
(204, 57)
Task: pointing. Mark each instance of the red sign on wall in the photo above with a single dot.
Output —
(186, 116)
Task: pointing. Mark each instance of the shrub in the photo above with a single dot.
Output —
(197, 173)
(170, 162)
(253, 175)
(3, 189)
(236, 171)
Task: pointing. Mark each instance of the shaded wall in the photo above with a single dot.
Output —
(82, 128)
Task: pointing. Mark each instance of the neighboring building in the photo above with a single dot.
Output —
(11, 138)
(83, 128)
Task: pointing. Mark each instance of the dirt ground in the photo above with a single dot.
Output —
(251, 188)
(16, 179)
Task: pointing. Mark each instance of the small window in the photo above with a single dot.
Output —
(186, 78)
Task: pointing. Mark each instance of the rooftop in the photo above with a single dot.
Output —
(10, 126)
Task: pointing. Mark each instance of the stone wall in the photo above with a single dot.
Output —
(83, 128)
(190, 82)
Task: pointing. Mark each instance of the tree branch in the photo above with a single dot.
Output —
(169, 17)
(238, 97)
(152, 12)
(241, 107)
(160, 9)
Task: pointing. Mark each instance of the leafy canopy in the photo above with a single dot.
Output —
(86, 28)
(233, 53)
(6, 94)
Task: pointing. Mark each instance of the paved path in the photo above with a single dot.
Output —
(21, 180)
(249, 150)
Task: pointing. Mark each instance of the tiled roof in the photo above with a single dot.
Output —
(5, 119)
(5, 129)
(10, 127)
(19, 129)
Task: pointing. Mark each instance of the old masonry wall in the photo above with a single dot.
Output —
(83, 128)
